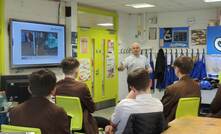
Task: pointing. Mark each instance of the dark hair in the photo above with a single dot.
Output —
(69, 64)
(184, 63)
(42, 82)
(139, 79)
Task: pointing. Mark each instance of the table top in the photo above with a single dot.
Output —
(194, 125)
(208, 96)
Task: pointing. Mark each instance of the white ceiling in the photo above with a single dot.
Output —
(161, 5)
(91, 20)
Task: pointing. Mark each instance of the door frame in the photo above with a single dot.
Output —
(2, 37)
(97, 11)
(103, 12)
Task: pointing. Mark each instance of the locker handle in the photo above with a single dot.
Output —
(97, 72)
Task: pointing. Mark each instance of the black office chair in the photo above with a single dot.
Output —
(145, 123)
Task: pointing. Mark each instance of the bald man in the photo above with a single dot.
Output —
(134, 61)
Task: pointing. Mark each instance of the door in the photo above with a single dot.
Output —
(103, 56)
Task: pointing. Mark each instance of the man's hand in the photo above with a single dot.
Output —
(109, 129)
(131, 95)
(121, 67)
(149, 70)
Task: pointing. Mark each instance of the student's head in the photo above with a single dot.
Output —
(138, 80)
(42, 83)
(135, 47)
(70, 66)
(183, 65)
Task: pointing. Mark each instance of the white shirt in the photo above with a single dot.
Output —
(133, 62)
(144, 103)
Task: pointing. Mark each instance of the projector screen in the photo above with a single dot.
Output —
(36, 44)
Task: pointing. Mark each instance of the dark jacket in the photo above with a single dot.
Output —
(160, 66)
(185, 87)
(39, 112)
(216, 104)
(71, 87)
(145, 123)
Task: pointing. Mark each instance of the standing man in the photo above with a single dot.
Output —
(134, 61)
(184, 87)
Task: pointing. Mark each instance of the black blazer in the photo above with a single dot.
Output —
(160, 66)
(145, 123)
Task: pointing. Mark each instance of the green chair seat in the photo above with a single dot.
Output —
(72, 106)
(188, 106)
(12, 128)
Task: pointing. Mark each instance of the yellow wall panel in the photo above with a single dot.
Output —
(2, 32)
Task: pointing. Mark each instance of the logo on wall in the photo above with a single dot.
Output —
(218, 44)
(214, 40)
(167, 35)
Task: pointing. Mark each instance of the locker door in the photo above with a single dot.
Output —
(110, 70)
(97, 66)
(107, 59)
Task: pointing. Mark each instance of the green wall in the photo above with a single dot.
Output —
(2, 32)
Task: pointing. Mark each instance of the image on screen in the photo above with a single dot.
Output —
(35, 43)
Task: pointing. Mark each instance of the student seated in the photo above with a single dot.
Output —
(184, 87)
(38, 111)
(139, 100)
(216, 104)
(69, 86)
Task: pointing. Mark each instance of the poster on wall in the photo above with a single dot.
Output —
(152, 33)
(214, 40)
(176, 37)
(74, 43)
(110, 47)
(198, 37)
(110, 59)
(84, 45)
(84, 70)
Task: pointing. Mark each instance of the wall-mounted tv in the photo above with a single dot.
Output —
(36, 44)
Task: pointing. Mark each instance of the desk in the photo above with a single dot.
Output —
(194, 125)
(208, 96)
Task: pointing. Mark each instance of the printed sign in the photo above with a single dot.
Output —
(174, 37)
(84, 45)
(110, 60)
(198, 37)
(84, 70)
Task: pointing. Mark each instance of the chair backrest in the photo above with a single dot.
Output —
(72, 106)
(188, 106)
(145, 123)
(12, 128)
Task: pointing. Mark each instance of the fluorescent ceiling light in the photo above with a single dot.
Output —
(105, 24)
(140, 5)
(211, 0)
